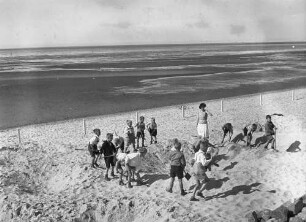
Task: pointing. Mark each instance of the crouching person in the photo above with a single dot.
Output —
(133, 164)
(201, 161)
(178, 164)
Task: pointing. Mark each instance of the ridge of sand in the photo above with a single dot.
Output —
(49, 178)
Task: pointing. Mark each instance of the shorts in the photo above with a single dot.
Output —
(176, 171)
(109, 161)
(134, 168)
(199, 173)
(140, 135)
(153, 132)
(93, 152)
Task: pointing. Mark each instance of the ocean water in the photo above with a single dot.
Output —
(49, 84)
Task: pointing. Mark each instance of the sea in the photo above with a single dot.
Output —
(40, 85)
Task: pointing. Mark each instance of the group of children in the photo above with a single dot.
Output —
(248, 130)
(117, 154)
(116, 151)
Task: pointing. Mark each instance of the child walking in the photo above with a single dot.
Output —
(93, 147)
(202, 159)
(152, 128)
(140, 131)
(129, 136)
(178, 164)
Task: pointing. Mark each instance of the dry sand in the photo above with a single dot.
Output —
(48, 178)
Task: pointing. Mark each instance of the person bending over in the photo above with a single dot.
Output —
(227, 128)
(248, 131)
(120, 161)
(133, 164)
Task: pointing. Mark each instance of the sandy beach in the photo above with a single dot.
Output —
(48, 177)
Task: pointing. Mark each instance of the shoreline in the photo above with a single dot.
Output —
(132, 112)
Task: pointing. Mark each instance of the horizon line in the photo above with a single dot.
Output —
(160, 44)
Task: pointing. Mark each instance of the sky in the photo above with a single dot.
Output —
(56, 23)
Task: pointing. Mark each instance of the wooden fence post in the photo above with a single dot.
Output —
(19, 137)
(260, 99)
(84, 126)
(183, 111)
(221, 105)
(136, 117)
(292, 95)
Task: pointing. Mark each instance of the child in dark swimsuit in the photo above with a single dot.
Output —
(140, 131)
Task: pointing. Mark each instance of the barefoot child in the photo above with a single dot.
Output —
(140, 131)
(109, 151)
(152, 128)
(120, 161)
(129, 136)
(248, 131)
(93, 148)
(227, 128)
(178, 164)
(201, 160)
(133, 164)
(270, 132)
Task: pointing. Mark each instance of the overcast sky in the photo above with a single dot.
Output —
(45, 23)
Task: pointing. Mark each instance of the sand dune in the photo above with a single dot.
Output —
(49, 178)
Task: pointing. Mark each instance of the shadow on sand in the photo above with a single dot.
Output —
(230, 166)
(151, 178)
(294, 147)
(238, 138)
(260, 140)
(245, 189)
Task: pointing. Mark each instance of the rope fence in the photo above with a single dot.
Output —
(184, 108)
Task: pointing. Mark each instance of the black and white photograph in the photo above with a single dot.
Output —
(152, 110)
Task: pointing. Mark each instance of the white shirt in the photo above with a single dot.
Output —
(133, 159)
(200, 157)
(94, 140)
(121, 156)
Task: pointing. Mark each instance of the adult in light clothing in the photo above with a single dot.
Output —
(202, 124)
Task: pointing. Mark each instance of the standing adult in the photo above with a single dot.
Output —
(202, 124)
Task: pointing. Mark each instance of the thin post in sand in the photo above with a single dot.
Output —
(221, 105)
(136, 116)
(292, 95)
(260, 99)
(183, 111)
(19, 137)
(84, 126)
